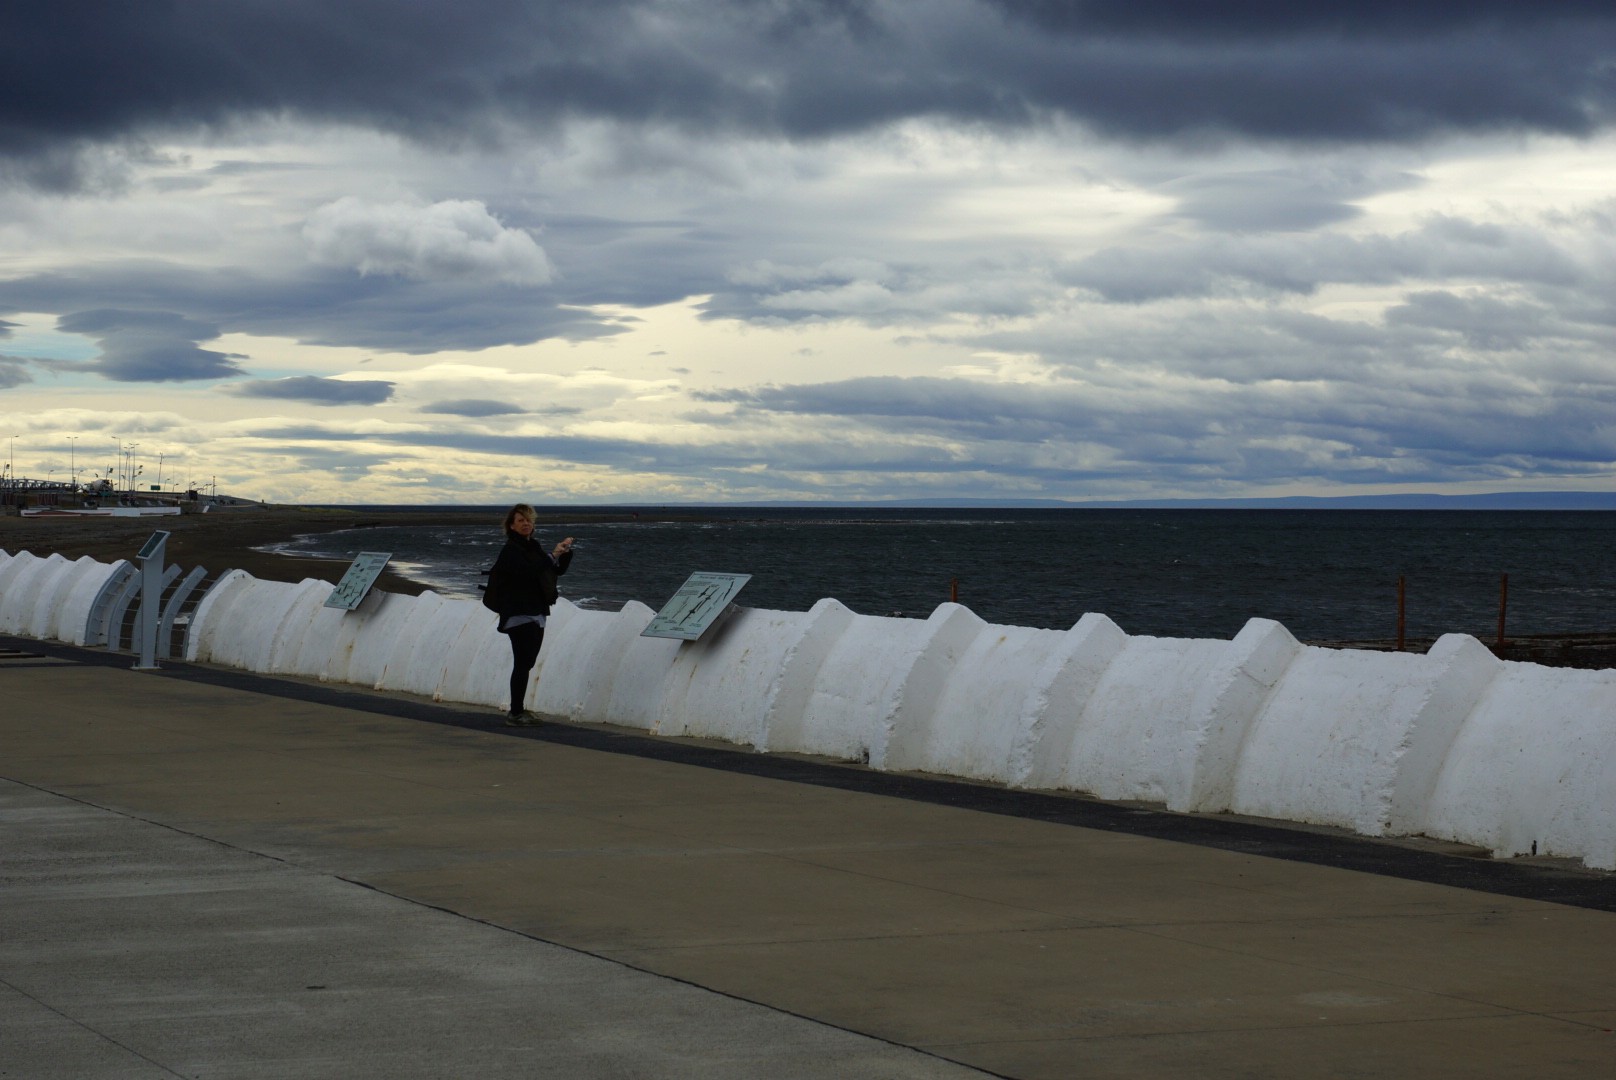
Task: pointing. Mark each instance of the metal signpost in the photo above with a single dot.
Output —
(698, 603)
(361, 575)
(151, 596)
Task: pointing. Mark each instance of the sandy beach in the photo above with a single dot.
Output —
(225, 540)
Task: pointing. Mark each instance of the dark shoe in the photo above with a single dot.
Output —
(521, 719)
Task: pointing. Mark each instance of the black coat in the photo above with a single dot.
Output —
(523, 580)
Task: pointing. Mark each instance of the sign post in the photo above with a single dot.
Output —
(698, 603)
(151, 596)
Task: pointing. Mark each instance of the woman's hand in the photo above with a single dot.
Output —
(563, 548)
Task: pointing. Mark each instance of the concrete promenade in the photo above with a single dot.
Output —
(206, 873)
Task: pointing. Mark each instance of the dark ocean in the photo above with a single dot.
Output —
(1327, 575)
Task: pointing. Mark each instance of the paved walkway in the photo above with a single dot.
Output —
(209, 874)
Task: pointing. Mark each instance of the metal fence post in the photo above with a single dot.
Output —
(151, 598)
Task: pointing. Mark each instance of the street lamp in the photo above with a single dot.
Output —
(73, 461)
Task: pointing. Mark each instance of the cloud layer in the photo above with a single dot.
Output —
(794, 68)
(318, 391)
(747, 249)
(451, 240)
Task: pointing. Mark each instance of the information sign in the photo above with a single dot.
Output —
(153, 547)
(361, 575)
(700, 600)
(151, 594)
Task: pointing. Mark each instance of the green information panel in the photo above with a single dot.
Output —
(153, 547)
(700, 600)
(361, 575)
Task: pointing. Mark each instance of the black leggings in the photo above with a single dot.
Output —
(525, 642)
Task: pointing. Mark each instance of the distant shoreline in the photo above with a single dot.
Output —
(228, 539)
(222, 540)
(1514, 500)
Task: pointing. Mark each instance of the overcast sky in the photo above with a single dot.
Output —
(740, 250)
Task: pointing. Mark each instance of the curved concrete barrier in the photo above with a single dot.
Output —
(1455, 744)
(1531, 770)
(49, 599)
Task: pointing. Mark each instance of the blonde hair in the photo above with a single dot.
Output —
(519, 510)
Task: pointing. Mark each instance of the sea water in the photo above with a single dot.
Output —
(1324, 574)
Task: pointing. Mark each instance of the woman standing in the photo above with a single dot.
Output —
(522, 588)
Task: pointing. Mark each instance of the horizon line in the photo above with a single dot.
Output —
(1515, 500)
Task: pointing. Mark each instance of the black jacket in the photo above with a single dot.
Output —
(523, 580)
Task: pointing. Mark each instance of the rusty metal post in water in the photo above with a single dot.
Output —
(1402, 612)
(1503, 605)
(953, 590)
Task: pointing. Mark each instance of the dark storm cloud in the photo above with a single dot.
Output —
(416, 317)
(13, 372)
(785, 453)
(79, 75)
(1196, 19)
(318, 391)
(1278, 200)
(894, 454)
(1388, 415)
(960, 401)
(340, 462)
(1277, 264)
(476, 408)
(473, 407)
(1222, 401)
(150, 346)
(13, 369)
(1482, 322)
(411, 317)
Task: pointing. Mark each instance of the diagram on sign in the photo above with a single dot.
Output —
(362, 574)
(700, 600)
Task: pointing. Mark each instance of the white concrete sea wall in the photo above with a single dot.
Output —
(428, 644)
(49, 598)
(1348, 738)
(576, 691)
(955, 684)
(1455, 744)
(1531, 771)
